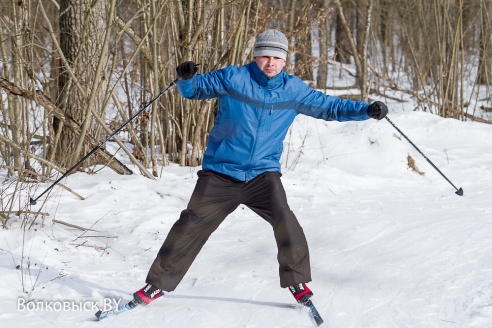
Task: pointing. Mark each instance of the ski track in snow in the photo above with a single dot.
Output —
(389, 248)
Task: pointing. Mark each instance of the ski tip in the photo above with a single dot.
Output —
(98, 315)
(316, 317)
(314, 313)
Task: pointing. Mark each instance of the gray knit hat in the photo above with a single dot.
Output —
(271, 43)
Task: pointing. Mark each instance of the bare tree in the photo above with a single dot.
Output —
(485, 46)
(344, 26)
(81, 87)
(324, 34)
(359, 45)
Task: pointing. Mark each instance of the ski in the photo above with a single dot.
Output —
(100, 315)
(313, 312)
(116, 310)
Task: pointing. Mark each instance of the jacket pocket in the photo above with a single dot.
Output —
(226, 153)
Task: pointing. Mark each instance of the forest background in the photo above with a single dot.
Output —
(74, 71)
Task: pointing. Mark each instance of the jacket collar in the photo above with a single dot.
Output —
(262, 79)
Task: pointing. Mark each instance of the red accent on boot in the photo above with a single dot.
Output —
(302, 293)
(145, 297)
(142, 296)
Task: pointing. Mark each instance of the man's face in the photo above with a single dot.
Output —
(271, 66)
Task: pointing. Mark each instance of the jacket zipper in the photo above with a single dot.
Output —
(260, 120)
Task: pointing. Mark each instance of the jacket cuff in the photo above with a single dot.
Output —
(185, 87)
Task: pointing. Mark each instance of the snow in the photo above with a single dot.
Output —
(389, 247)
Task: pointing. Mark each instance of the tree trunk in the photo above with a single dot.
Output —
(304, 60)
(82, 24)
(360, 24)
(363, 31)
(485, 46)
(385, 34)
(324, 32)
(342, 38)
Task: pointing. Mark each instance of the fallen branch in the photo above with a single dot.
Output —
(29, 154)
(65, 187)
(97, 237)
(73, 226)
(103, 155)
(477, 119)
(382, 94)
(97, 248)
(44, 178)
(18, 213)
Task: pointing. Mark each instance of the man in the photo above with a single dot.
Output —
(241, 165)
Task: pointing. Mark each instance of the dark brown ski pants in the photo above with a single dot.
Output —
(216, 196)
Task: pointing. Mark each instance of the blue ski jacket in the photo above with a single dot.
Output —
(255, 113)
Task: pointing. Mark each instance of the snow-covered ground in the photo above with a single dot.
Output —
(389, 247)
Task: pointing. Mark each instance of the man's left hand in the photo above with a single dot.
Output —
(377, 110)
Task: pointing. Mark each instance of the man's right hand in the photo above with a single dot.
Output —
(186, 70)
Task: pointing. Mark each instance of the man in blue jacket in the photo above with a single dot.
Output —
(241, 165)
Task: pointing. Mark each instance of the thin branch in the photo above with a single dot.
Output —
(18, 213)
(73, 226)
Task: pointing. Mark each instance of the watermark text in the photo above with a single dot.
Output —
(61, 306)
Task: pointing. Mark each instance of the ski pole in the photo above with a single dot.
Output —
(458, 192)
(33, 201)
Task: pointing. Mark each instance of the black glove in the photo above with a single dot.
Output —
(186, 70)
(377, 110)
